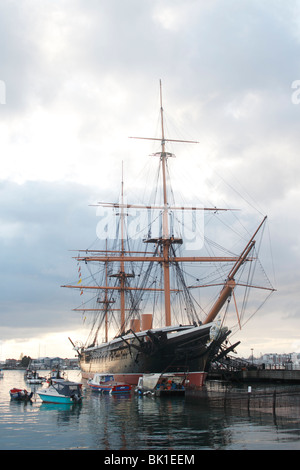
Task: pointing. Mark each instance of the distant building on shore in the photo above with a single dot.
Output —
(273, 360)
(43, 363)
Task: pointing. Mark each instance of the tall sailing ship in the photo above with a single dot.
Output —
(147, 321)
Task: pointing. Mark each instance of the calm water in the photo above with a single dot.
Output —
(133, 423)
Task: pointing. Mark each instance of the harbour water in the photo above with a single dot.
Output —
(130, 423)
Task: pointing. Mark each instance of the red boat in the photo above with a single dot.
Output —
(20, 394)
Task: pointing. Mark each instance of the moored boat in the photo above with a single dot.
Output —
(34, 378)
(162, 384)
(56, 376)
(19, 394)
(62, 393)
(105, 383)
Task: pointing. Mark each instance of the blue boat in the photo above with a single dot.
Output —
(19, 394)
(105, 383)
(62, 392)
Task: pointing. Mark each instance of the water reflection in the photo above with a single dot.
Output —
(133, 422)
(61, 415)
(155, 423)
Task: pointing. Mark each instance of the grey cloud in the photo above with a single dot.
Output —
(40, 223)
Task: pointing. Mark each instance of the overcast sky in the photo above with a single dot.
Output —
(80, 76)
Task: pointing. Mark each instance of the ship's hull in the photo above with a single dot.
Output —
(185, 350)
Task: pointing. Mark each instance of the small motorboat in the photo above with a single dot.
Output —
(105, 383)
(19, 394)
(56, 376)
(1, 374)
(34, 378)
(161, 384)
(61, 392)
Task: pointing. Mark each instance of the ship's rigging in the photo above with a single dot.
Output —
(126, 281)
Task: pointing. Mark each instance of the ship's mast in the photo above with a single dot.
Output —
(165, 222)
(121, 275)
(122, 271)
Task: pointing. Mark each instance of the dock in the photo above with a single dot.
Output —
(268, 375)
(235, 370)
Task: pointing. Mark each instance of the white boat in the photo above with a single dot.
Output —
(34, 378)
(161, 384)
(36, 381)
(1, 374)
(62, 393)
